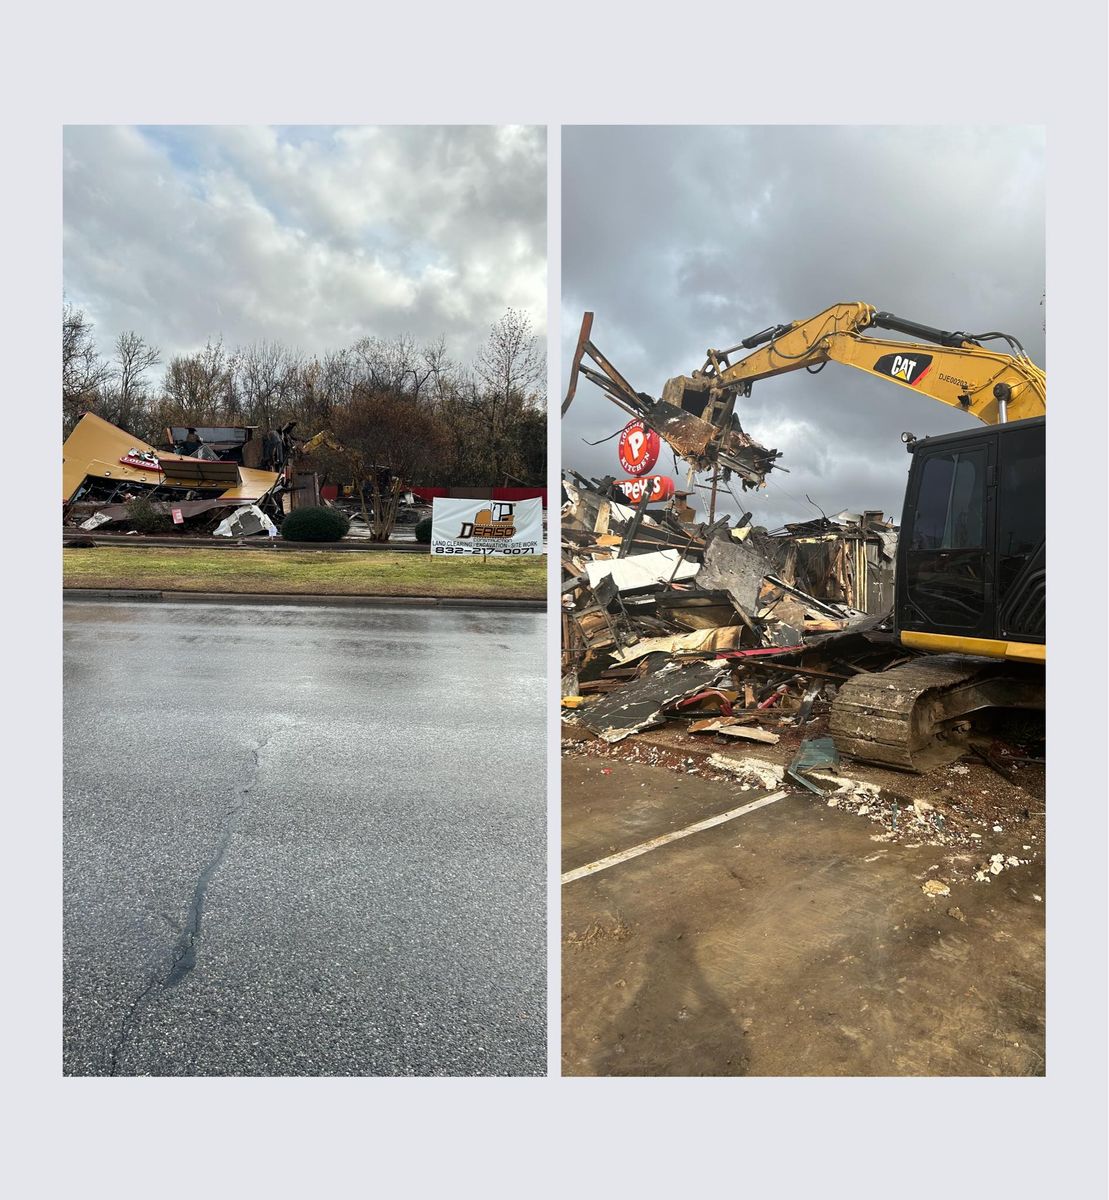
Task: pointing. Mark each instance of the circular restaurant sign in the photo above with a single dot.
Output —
(638, 448)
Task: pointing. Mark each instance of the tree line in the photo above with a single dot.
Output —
(397, 403)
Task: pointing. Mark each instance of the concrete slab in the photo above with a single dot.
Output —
(786, 942)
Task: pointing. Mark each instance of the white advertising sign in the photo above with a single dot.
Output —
(510, 527)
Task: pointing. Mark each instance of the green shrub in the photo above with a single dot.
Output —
(145, 518)
(423, 531)
(315, 525)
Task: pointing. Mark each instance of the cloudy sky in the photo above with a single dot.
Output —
(312, 237)
(684, 238)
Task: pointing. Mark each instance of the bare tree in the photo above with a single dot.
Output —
(393, 365)
(441, 369)
(199, 388)
(134, 357)
(512, 367)
(325, 384)
(268, 378)
(512, 361)
(84, 372)
(125, 400)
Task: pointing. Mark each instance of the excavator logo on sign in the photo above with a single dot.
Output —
(902, 367)
(496, 521)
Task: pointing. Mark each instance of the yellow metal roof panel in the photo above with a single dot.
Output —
(96, 447)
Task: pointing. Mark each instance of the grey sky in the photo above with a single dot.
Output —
(308, 236)
(682, 238)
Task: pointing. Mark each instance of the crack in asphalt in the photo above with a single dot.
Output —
(183, 955)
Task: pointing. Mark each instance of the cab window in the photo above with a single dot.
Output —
(950, 509)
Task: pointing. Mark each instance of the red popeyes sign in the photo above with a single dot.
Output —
(637, 448)
(660, 487)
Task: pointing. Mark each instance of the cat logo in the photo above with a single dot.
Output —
(496, 521)
(905, 368)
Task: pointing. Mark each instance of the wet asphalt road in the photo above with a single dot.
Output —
(303, 841)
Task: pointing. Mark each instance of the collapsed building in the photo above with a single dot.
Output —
(732, 631)
(663, 617)
(228, 480)
(637, 585)
(241, 444)
(105, 470)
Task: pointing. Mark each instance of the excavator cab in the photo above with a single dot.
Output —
(971, 570)
(970, 587)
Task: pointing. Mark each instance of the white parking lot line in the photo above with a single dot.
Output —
(613, 860)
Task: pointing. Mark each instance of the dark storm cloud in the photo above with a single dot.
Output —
(310, 237)
(684, 238)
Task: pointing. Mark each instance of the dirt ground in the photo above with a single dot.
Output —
(798, 939)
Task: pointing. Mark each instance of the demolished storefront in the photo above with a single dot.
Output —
(847, 558)
(664, 617)
(105, 470)
(642, 592)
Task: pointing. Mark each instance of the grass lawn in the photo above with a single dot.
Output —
(318, 573)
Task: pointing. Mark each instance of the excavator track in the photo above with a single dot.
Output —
(915, 717)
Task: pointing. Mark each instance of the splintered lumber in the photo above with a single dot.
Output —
(749, 733)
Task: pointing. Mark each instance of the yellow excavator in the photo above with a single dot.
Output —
(970, 582)
(323, 438)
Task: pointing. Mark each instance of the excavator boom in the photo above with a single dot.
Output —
(696, 414)
(953, 368)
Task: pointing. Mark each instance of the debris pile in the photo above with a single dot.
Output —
(726, 625)
(109, 478)
(211, 481)
(990, 828)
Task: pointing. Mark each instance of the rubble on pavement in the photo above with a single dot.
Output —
(719, 652)
(960, 815)
(757, 628)
(717, 648)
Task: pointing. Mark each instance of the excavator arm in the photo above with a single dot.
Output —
(323, 438)
(953, 368)
(696, 414)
